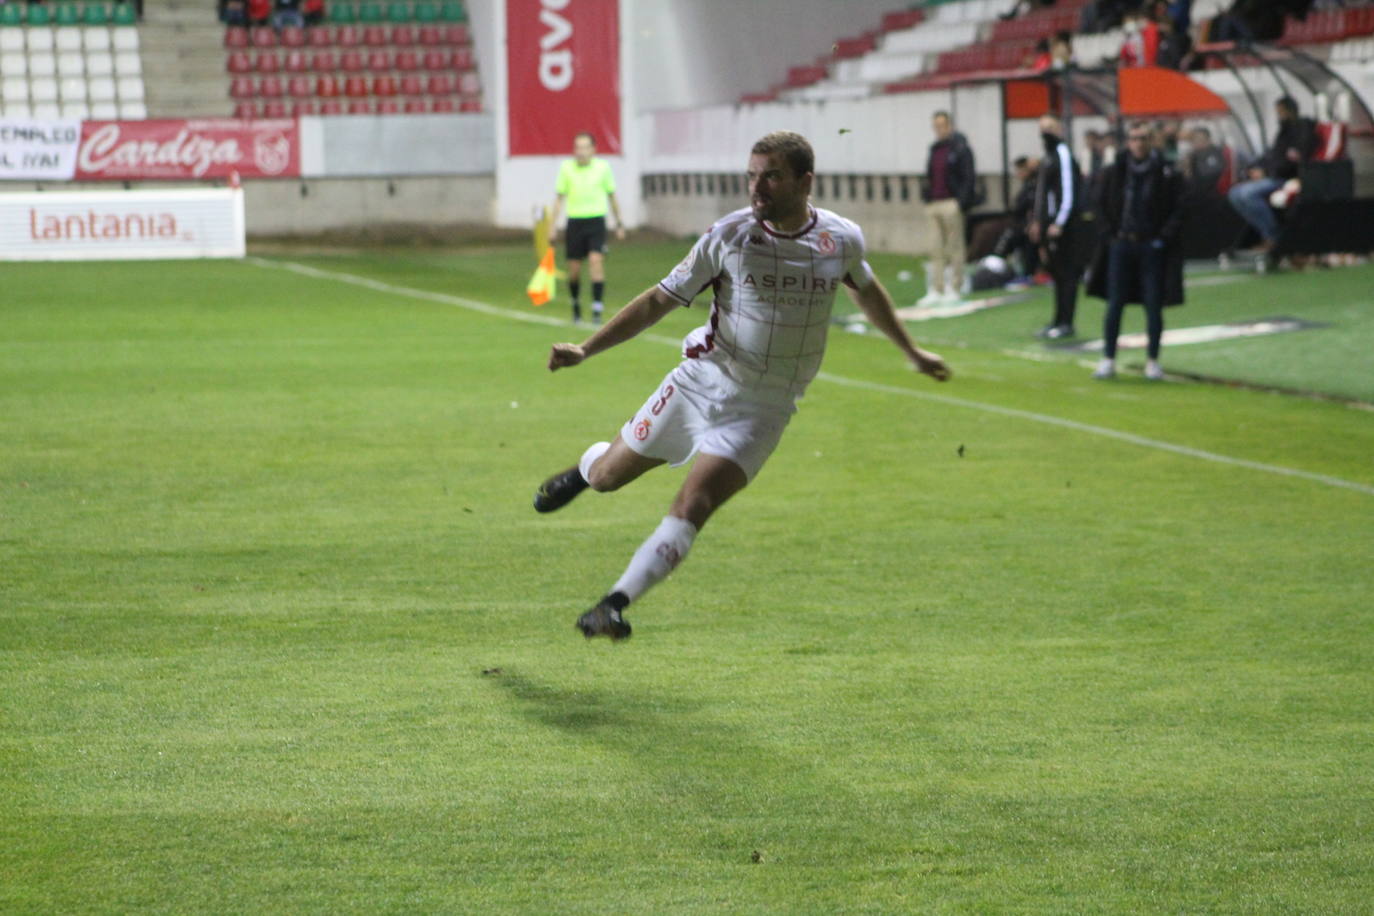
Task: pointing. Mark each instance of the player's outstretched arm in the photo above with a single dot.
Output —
(877, 305)
(645, 310)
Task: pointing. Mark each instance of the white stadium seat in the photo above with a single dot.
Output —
(96, 38)
(75, 110)
(71, 63)
(68, 38)
(42, 63)
(18, 110)
(126, 39)
(99, 63)
(130, 88)
(128, 63)
(104, 111)
(133, 111)
(43, 89)
(14, 89)
(101, 89)
(38, 39)
(11, 40)
(46, 111)
(73, 89)
(14, 65)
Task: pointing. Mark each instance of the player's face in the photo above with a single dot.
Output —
(583, 150)
(776, 193)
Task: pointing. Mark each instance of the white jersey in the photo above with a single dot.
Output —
(772, 296)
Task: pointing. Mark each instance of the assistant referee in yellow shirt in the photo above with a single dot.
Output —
(587, 185)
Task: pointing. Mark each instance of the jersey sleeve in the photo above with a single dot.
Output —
(858, 275)
(564, 185)
(695, 272)
(607, 178)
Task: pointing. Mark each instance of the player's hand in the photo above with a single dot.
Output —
(565, 355)
(620, 233)
(1055, 230)
(927, 363)
(553, 234)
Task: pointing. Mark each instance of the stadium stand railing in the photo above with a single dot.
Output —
(365, 58)
(70, 59)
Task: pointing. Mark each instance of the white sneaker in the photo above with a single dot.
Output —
(1153, 372)
(934, 297)
(950, 298)
(1105, 370)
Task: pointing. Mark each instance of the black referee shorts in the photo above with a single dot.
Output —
(585, 235)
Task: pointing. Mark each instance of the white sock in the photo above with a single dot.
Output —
(657, 557)
(596, 308)
(584, 465)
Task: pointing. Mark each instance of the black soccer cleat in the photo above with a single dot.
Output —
(559, 490)
(606, 619)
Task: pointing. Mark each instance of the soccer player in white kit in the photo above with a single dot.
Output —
(773, 268)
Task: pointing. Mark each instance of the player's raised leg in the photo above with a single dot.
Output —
(710, 483)
(605, 466)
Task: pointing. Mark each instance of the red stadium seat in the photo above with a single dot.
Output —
(351, 62)
(271, 87)
(326, 86)
(441, 84)
(240, 62)
(471, 105)
(379, 60)
(437, 59)
(324, 61)
(431, 35)
(245, 111)
(374, 36)
(236, 37)
(388, 106)
(462, 59)
(331, 107)
(301, 86)
(348, 36)
(241, 87)
(403, 35)
(469, 83)
(293, 37)
(411, 84)
(267, 62)
(444, 105)
(358, 106)
(455, 34)
(355, 87)
(407, 61)
(300, 109)
(320, 37)
(384, 85)
(274, 110)
(264, 37)
(416, 106)
(295, 61)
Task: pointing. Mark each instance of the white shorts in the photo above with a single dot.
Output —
(697, 409)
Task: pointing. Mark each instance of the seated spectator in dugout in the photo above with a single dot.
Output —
(1203, 166)
(1294, 145)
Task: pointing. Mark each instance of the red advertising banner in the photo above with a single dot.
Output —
(188, 149)
(563, 74)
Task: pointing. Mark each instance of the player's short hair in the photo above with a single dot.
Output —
(794, 149)
(585, 133)
(941, 114)
(1288, 104)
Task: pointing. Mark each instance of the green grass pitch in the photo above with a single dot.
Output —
(262, 532)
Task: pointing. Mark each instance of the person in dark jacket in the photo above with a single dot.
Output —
(949, 190)
(1139, 258)
(1058, 202)
(1296, 140)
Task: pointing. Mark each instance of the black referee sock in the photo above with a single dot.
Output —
(575, 290)
(598, 290)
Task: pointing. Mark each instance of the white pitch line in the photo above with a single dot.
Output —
(1048, 419)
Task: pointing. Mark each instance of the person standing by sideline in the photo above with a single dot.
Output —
(1058, 201)
(587, 185)
(949, 191)
(1139, 259)
(773, 270)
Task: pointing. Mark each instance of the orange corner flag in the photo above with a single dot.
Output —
(542, 284)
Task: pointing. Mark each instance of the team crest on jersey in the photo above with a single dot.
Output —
(756, 240)
(642, 429)
(826, 243)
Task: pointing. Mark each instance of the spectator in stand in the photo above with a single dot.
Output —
(1203, 167)
(1102, 15)
(949, 190)
(1140, 47)
(1021, 7)
(1040, 59)
(288, 14)
(1257, 20)
(313, 10)
(1055, 224)
(259, 11)
(233, 12)
(1174, 46)
(1140, 260)
(1061, 51)
(1294, 145)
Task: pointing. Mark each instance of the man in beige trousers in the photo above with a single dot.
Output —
(949, 190)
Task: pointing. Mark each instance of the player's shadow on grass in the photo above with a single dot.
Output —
(589, 709)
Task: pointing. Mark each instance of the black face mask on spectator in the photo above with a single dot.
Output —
(1051, 141)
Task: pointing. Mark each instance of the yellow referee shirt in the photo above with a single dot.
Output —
(585, 187)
